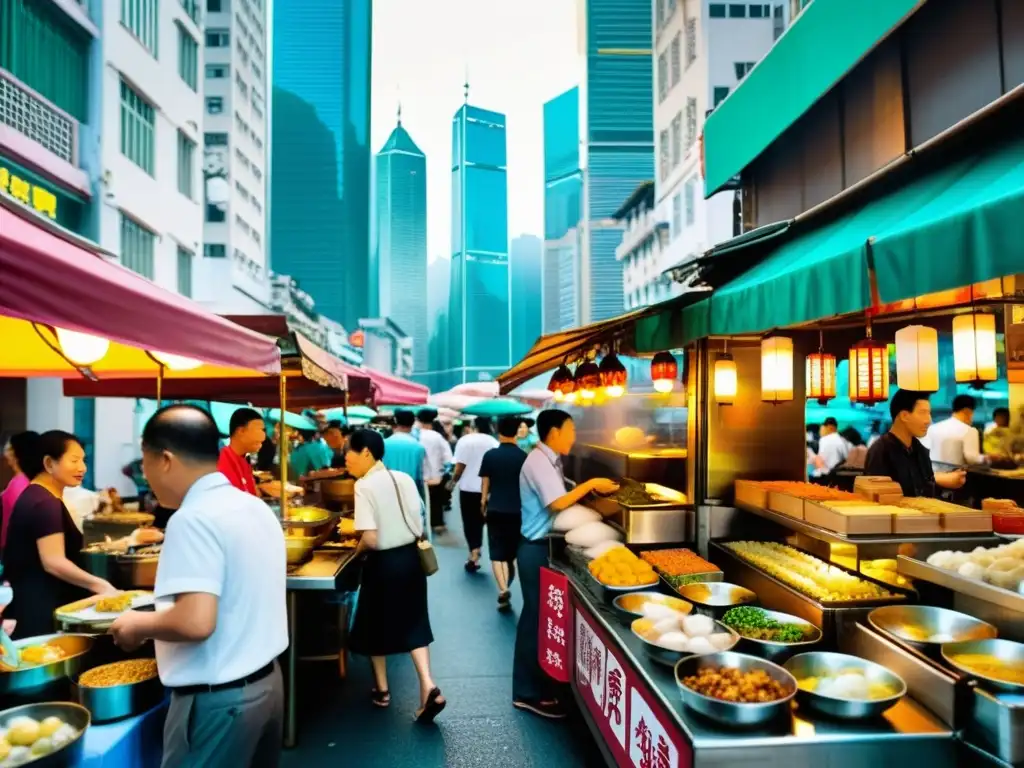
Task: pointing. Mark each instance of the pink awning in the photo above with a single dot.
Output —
(49, 280)
(394, 390)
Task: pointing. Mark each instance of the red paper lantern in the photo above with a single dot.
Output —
(562, 383)
(613, 375)
(869, 372)
(664, 372)
(588, 379)
(821, 377)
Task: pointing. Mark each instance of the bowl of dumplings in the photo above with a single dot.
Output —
(1001, 566)
(668, 635)
(45, 735)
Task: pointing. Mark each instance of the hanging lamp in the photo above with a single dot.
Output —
(725, 377)
(776, 369)
(974, 348)
(81, 348)
(588, 380)
(613, 375)
(176, 362)
(664, 371)
(869, 371)
(917, 358)
(562, 383)
(821, 374)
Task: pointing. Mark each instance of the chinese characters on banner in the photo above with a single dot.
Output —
(30, 194)
(553, 646)
(636, 729)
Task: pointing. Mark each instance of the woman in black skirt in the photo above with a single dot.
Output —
(391, 616)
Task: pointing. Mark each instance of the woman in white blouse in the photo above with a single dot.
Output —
(391, 616)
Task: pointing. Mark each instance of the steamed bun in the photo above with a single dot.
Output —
(698, 626)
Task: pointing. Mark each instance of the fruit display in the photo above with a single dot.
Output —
(619, 567)
(734, 685)
(806, 573)
(754, 623)
(1001, 566)
(26, 739)
(674, 631)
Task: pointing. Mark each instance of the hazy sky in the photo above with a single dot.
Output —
(519, 54)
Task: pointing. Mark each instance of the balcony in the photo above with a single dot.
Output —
(34, 117)
(638, 230)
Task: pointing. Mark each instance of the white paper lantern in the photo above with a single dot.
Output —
(776, 369)
(726, 381)
(917, 358)
(974, 347)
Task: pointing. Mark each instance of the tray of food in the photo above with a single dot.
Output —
(307, 517)
(636, 605)
(669, 635)
(47, 735)
(119, 690)
(715, 597)
(735, 689)
(928, 628)
(844, 686)
(996, 664)
(43, 660)
(771, 634)
(681, 566)
(98, 610)
(619, 570)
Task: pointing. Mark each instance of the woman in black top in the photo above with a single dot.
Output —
(43, 542)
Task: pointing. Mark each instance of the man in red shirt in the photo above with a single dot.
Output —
(247, 435)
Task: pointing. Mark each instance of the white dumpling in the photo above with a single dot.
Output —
(18, 756)
(1005, 564)
(984, 559)
(1005, 579)
(65, 734)
(574, 517)
(666, 625)
(700, 645)
(591, 534)
(698, 626)
(940, 559)
(673, 641)
(658, 611)
(971, 571)
(722, 641)
(600, 549)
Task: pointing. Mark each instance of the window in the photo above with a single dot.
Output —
(137, 245)
(677, 215)
(659, 14)
(662, 77)
(737, 11)
(217, 71)
(757, 11)
(188, 58)
(742, 67)
(214, 105)
(677, 64)
(716, 11)
(663, 156)
(218, 38)
(689, 190)
(185, 272)
(691, 42)
(216, 139)
(242, 86)
(215, 251)
(186, 164)
(720, 93)
(691, 122)
(192, 9)
(677, 139)
(213, 6)
(137, 128)
(778, 22)
(142, 19)
(215, 213)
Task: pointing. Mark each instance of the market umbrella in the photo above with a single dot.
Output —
(476, 389)
(453, 400)
(501, 406)
(356, 414)
(293, 420)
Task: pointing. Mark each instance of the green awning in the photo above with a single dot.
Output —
(826, 41)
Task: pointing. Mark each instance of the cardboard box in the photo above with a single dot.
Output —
(784, 504)
(751, 492)
(910, 521)
(849, 520)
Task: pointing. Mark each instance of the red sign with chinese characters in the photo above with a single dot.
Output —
(554, 647)
(636, 728)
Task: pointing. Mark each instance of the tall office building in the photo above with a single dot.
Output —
(563, 185)
(616, 140)
(320, 159)
(234, 181)
(401, 242)
(479, 314)
(525, 274)
(438, 289)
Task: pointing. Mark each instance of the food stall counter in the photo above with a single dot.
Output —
(609, 670)
(137, 741)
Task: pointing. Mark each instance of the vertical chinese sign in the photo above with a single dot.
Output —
(553, 650)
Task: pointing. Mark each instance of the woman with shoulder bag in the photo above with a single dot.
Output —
(391, 616)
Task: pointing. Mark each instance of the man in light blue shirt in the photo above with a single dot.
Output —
(542, 495)
(403, 452)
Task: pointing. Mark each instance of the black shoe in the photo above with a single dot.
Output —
(472, 567)
(505, 601)
(552, 710)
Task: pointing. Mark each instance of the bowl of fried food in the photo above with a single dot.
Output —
(735, 689)
(119, 690)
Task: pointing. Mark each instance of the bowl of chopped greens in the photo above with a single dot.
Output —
(770, 634)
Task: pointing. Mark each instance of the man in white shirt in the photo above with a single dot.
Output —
(221, 619)
(832, 447)
(955, 440)
(438, 456)
(469, 454)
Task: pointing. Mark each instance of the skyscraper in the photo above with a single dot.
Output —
(525, 276)
(616, 140)
(320, 153)
(563, 185)
(438, 289)
(401, 258)
(478, 315)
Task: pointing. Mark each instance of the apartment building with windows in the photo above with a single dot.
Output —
(235, 152)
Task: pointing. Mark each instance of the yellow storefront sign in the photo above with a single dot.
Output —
(39, 198)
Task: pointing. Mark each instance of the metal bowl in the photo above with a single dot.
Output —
(629, 606)
(779, 652)
(1005, 650)
(716, 597)
(914, 625)
(820, 664)
(73, 714)
(668, 657)
(731, 713)
(30, 678)
(117, 702)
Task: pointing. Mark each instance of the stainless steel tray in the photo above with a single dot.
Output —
(117, 702)
(918, 569)
(578, 564)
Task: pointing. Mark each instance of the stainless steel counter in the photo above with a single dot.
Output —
(321, 571)
(906, 734)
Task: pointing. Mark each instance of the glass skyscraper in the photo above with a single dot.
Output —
(524, 276)
(320, 153)
(478, 313)
(616, 140)
(401, 257)
(563, 188)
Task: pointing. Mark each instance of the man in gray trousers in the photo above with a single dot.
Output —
(220, 621)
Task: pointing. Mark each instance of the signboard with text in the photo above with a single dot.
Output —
(635, 726)
(553, 646)
(34, 192)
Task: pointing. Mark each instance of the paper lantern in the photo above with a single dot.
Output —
(917, 358)
(176, 362)
(974, 348)
(664, 371)
(776, 369)
(725, 380)
(869, 372)
(613, 376)
(821, 376)
(588, 380)
(81, 348)
(562, 383)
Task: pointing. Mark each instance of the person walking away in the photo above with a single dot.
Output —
(221, 620)
(16, 454)
(832, 447)
(469, 453)
(955, 441)
(403, 452)
(43, 542)
(438, 456)
(542, 495)
(499, 491)
(247, 434)
(391, 616)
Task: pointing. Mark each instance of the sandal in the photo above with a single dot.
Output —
(380, 699)
(432, 708)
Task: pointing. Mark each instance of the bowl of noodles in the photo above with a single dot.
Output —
(118, 690)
